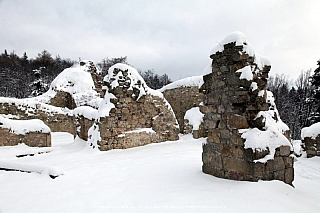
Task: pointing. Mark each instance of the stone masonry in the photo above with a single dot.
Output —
(232, 102)
(138, 115)
(310, 137)
(182, 99)
(30, 139)
(57, 122)
(312, 146)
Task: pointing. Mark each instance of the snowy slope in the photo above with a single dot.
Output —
(164, 177)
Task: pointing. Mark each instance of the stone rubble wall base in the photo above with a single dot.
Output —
(232, 161)
(35, 139)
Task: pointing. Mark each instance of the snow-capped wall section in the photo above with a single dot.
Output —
(183, 95)
(310, 137)
(245, 133)
(75, 87)
(129, 110)
(193, 81)
(22, 127)
(31, 132)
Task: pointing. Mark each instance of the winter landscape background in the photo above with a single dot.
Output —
(165, 41)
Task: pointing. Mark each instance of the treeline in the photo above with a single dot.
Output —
(297, 101)
(22, 77)
(19, 76)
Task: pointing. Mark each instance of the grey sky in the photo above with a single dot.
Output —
(173, 37)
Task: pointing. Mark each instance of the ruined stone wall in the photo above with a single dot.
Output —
(182, 99)
(132, 113)
(120, 130)
(31, 139)
(312, 146)
(63, 99)
(83, 125)
(56, 122)
(232, 103)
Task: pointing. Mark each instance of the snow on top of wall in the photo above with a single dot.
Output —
(240, 40)
(22, 127)
(135, 80)
(113, 76)
(237, 37)
(271, 137)
(185, 82)
(31, 105)
(311, 132)
(85, 111)
(76, 81)
(207, 70)
(195, 117)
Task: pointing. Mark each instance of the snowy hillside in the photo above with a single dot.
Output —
(164, 177)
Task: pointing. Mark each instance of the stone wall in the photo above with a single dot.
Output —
(182, 99)
(312, 146)
(63, 99)
(30, 139)
(132, 114)
(83, 125)
(117, 131)
(233, 101)
(57, 122)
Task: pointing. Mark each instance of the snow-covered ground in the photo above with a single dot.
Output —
(163, 177)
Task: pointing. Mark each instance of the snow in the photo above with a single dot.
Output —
(51, 171)
(162, 177)
(22, 127)
(195, 117)
(106, 105)
(207, 70)
(147, 130)
(312, 131)
(246, 73)
(254, 86)
(76, 81)
(30, 105)
(273, 134)
(193, 81)
(259, 140)
(261, 93)
(297, 147)
(85, 111)
(134, 76)
(240, 40)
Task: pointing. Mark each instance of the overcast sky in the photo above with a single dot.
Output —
(173, 37)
